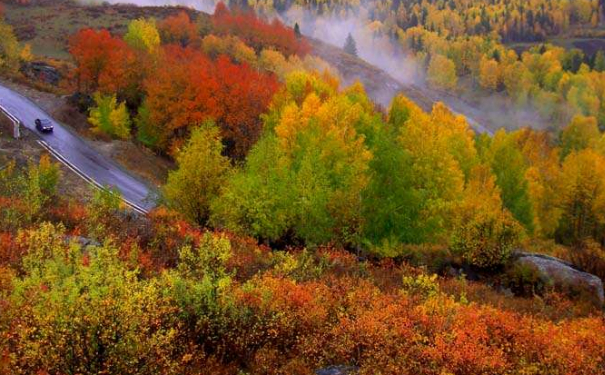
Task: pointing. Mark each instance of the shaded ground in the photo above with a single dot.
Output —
(26, 150)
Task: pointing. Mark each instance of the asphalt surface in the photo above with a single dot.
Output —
(78, 152)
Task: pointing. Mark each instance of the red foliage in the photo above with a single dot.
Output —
(256, 32)
(188, 89)
(243, 94)
(103, 62)
(10, 253)
(178, 30)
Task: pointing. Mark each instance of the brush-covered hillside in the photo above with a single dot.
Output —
(297, 227)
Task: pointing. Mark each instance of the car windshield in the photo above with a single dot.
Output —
(45, 122)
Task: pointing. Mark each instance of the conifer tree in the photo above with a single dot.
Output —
(350, 45)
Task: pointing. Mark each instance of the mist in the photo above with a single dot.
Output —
(372, 47)
(485, 114)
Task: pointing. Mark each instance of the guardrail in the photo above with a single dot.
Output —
(87, 178)
(66, 162)
(14, 120)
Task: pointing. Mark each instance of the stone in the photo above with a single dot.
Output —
(338, 370)
(563, 275)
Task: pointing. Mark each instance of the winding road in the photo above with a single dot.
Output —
(77, 154)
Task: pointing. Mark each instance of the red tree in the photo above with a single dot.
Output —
(180, 93)
(257, 33)
(188, 88)
(243, 94)
(178, 30)
(103, 62)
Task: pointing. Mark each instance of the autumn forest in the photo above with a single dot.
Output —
(296, 224)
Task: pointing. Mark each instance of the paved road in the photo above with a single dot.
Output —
(77, 151)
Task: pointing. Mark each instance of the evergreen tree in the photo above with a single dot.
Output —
(350, 45)
(297, 30)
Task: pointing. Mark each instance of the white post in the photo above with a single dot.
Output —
(16, 130)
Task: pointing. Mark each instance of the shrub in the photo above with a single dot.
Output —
(487, 240)
(422, 285)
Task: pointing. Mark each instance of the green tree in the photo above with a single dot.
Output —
(202, 172)
(110, 118)
(509, 166)
(256, 198)
(306, 175)
(147, 132)
(9, 48)
(599, 61)
(391, 206)
(582, 132)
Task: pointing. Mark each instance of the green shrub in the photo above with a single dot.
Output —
(487, 240)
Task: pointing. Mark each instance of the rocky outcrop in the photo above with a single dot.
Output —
(337, 370)
(562, 275)
(42, 71)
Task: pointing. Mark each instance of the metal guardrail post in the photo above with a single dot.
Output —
(15, 121)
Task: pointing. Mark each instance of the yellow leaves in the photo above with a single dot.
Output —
(489, 74)
(289, 125)
(26, 54)
(583, 186)
(442, 73)
(143, 35)
(110, 118)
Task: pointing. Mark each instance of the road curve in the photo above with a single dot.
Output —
(78, 152)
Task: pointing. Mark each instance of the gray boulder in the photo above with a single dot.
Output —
(563, 275)
(337, 370)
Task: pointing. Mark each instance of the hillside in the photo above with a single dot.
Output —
(219, 194)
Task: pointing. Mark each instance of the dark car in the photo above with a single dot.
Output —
(44, 125)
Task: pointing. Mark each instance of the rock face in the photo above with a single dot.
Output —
(337, 370)
(42, 71)
(563, 275)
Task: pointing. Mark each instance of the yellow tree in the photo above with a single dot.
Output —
(143, 35)
(582, 197)
(489, 74)
(442, 73)
(543, 176)
(110, 118)
(582, 132)
(436, 174)
(458, 136)
(201, 173)
(484, 233)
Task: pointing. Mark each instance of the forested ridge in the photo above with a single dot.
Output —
(304, 226)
